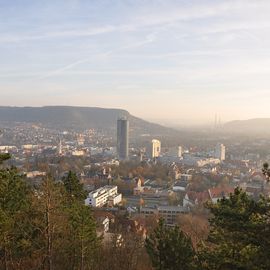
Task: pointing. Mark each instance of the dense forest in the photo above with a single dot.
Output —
(49, 227)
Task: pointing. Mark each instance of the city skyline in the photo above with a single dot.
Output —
(178, 60)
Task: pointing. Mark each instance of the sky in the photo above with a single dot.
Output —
(181, 61)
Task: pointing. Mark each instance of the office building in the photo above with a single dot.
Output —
(170, 214)
(154, 149)
(122, 138)
(220, 152)
(104, 195)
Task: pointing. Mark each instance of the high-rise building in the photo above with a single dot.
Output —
(154, 149)
(122, 138)
(60, 149)
(220, 151)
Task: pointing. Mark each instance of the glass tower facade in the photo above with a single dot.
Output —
(122, 138)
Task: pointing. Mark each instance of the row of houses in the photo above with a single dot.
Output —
(193, 198)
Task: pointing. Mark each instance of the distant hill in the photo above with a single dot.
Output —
(254, 126)
(68, 117)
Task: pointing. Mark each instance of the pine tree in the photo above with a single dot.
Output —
(239, 235)
(83, 240)
(266, 171)
(16, 229)
(73, 187)
(4, 157)
(81, 229)
(169, 249)
(68, 233)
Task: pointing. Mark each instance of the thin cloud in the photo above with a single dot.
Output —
(58, 34)
(149, 39)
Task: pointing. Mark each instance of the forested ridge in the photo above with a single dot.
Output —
(79, 118)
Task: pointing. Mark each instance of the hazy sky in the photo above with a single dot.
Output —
(159, 59)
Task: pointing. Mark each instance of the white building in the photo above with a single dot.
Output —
(29, 147)
(7, 148)
(60, 148)
(114, 199)
(34, 174)
(100, 197)
(154, 149)
(220, 151)
(78, 153)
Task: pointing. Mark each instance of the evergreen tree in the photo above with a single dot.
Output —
(81, 229)
(4, 157)
(83, 240)
(73, 187)
(239, 237)
(266, 171)
(17, 233)
(47, 227)
(169, 248)
(68, 237)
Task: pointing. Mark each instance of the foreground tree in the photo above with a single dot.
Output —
(18, 235)
(170, 249)
(68, 229)
(4, 157)
(83, 242)
(125, 251)
(239, 235)
(195, 226)
(46, 227)
(266, 171)
(73, 187)
(51, 221)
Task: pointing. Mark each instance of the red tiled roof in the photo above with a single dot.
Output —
(219, 192)
(198, 197)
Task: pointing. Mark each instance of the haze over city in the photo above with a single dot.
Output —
(134, 135)
(182, 61)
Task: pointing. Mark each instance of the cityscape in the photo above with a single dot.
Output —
(121, 175)
(134, 135)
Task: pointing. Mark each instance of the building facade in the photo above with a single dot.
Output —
(220, 151)
(170, 214)
(104, 195)
(154, 149)
(122, 138)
